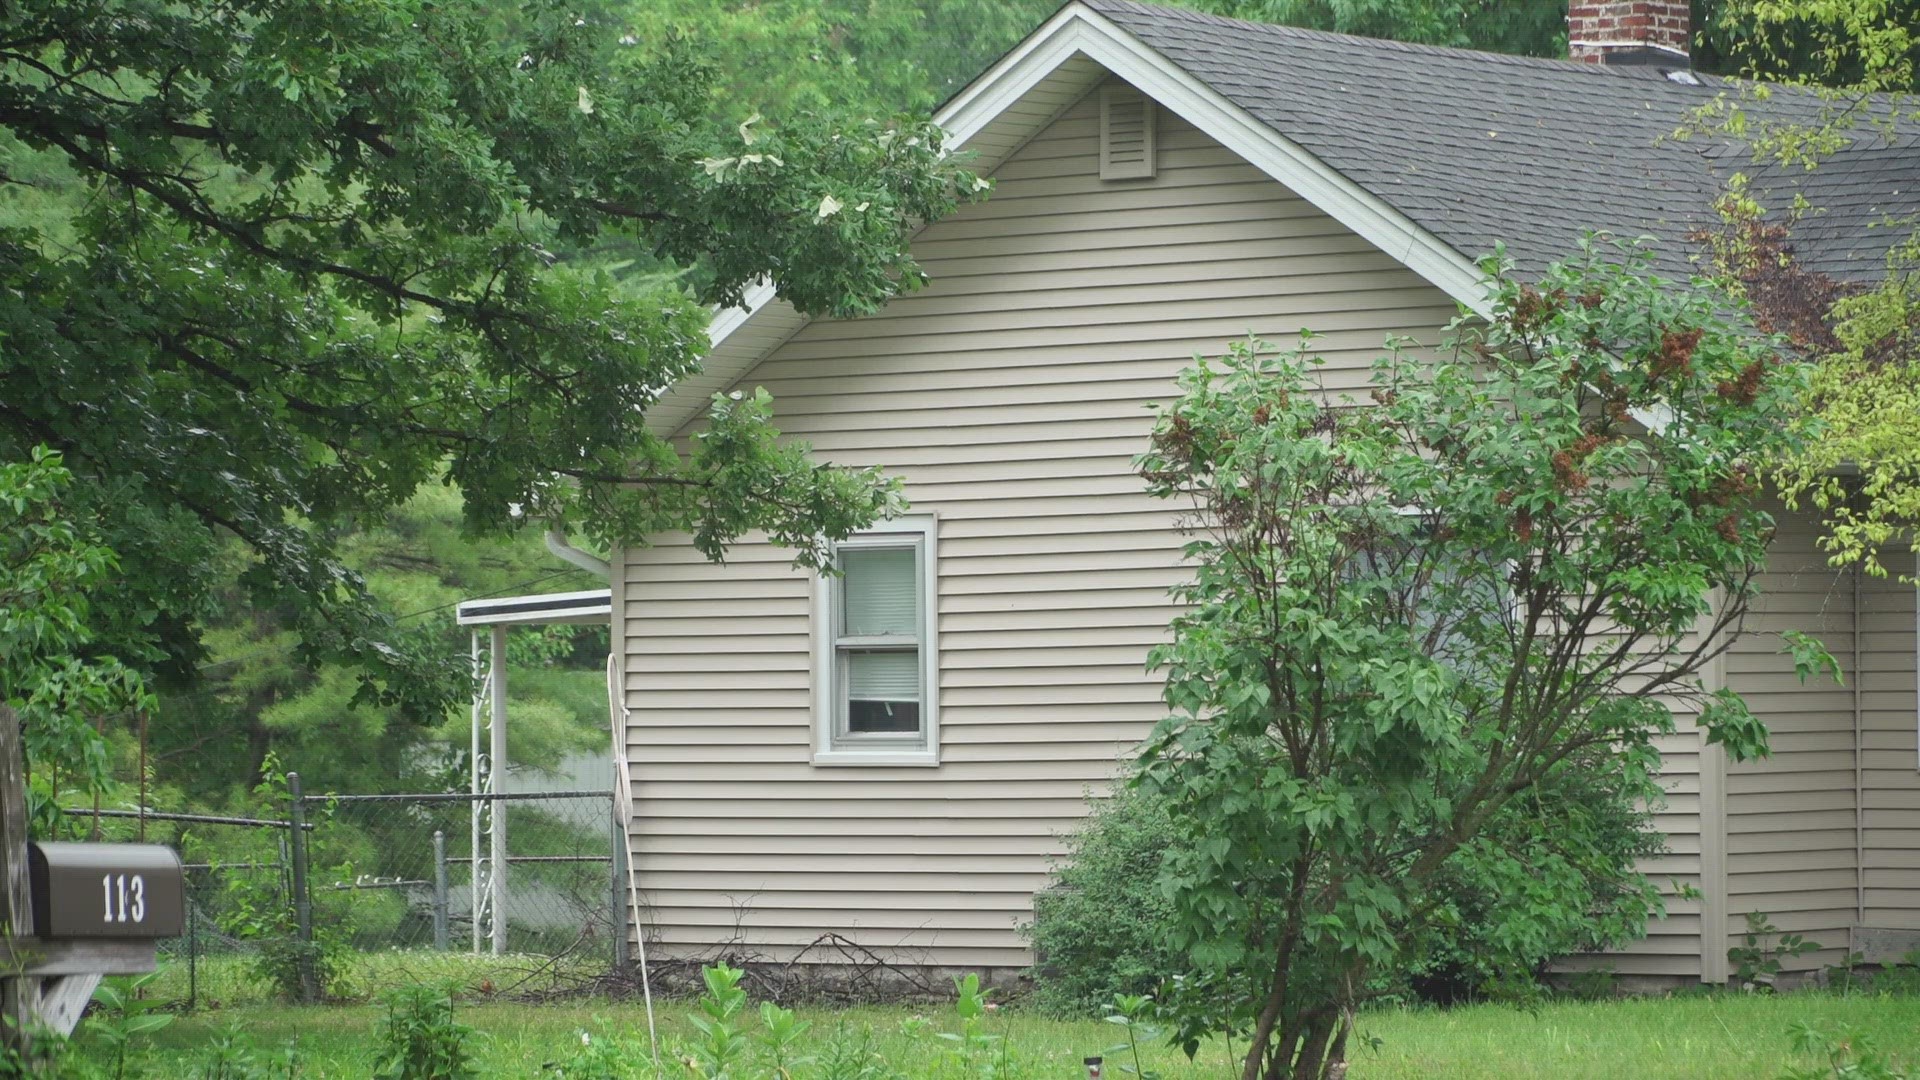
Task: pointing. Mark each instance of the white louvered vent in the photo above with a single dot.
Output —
(1127, 150)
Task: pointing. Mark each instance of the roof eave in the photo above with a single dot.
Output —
(742, 336)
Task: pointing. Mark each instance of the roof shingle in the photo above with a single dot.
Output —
(1483, 147)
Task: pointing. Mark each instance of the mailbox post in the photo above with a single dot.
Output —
(98, 909)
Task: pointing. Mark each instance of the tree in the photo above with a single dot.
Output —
(793, 56)
(1843, 45)
(1860, 465)
(1409, 617)
(256, 698)
(788, 56)
(1523, 29)
(49, 566)
(312, 274)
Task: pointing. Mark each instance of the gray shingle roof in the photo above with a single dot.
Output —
(1478, 147)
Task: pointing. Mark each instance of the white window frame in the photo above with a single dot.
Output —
(830, 745)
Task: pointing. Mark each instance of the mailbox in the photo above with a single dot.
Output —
(106, 890)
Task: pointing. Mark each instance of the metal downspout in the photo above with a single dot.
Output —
(558, 546)
(1859, 766)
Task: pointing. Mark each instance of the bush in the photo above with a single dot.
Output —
(1553, 874)
(1102, 929)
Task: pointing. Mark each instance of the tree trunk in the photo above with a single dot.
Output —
(17, 992)
(1337, 1055)
(1309, 1061)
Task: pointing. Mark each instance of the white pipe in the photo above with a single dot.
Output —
(557, 544)
(496, 775)
(623, 805)
(474, 763)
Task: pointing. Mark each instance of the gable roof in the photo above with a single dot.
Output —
(1478, 147)
(1431, 154)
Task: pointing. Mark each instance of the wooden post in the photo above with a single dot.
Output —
(18, 993)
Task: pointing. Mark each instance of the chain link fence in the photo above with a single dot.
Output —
(238, 876)
(399, 872)
(391, 886)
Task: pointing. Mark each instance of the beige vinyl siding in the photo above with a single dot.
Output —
(1890, 773)
(1010, 395)
(1790, 817)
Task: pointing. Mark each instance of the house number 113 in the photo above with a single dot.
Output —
(130, 893)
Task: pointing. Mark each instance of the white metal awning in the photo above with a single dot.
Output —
(592, 606)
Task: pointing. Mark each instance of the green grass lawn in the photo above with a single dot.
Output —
(1689, 1036)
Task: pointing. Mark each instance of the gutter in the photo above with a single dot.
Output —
(557, 544)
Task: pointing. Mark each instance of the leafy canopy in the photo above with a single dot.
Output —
(1860, 465)
(313, 271)
(1408, 615)
(49, 567)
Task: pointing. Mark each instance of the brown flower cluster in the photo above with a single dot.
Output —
(1534, 308)
(1727, 490)
(1568, 475)
(1675, 356)
(1745, 387)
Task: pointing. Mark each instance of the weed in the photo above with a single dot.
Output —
(1845, 976)
(124, 1013)
(43, 1053)
(721, 1044)
(1900, 979)
(1757, 960)
(976, 1052)
(1592, 984)
(232, 1056)
(420, 1039)
(1131, 1013)
(1845, 1055)
(602, 1056)
(779, 1042)
(850, 1054)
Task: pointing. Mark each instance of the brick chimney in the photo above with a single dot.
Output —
(1629, 31)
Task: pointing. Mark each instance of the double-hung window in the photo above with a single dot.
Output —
(875, 669)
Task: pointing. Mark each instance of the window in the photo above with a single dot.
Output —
(875, 671)
(1401, 561)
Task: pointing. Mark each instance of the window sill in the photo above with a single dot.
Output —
(871, 758)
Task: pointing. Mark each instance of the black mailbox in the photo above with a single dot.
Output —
(106, 890)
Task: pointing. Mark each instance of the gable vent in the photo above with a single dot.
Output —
(1127, 150)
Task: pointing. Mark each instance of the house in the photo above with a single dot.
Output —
(892, 756)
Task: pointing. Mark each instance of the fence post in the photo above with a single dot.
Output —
(440, 890)
(302, 903)
(193, 956)
(619, 908)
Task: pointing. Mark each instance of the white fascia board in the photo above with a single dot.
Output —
(962, 118)
(1369, 216)
(1009, 80)
(726, 321)
(1077, 29)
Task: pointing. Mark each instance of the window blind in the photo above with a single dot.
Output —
(883, 676)
(880, 591)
